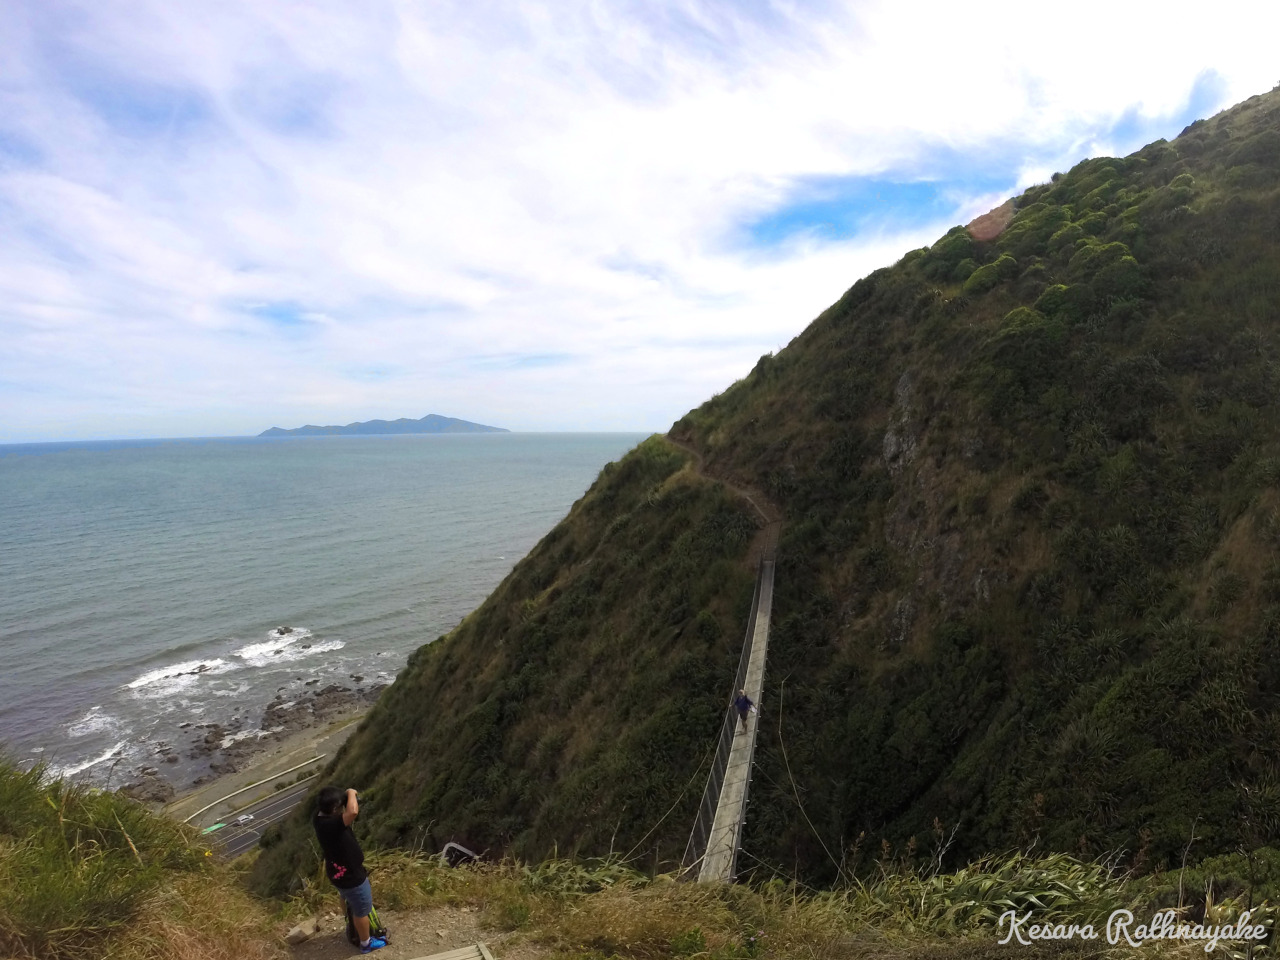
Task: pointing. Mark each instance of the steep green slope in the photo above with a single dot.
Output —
(574, 703)
(1028, 585)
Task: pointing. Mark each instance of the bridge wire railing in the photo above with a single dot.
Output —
(766, 567)
(696, 848)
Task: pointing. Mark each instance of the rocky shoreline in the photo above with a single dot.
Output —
(231, 746)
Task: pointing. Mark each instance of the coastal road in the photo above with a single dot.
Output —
(235, 840)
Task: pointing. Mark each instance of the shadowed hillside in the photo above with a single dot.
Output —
(1028, 585)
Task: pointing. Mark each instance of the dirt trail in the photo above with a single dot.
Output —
(765, 544)
(418, 933)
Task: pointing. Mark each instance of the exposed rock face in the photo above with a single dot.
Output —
(283, 717)
(899, 437)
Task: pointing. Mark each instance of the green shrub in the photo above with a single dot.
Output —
(955, 246)
(990, 276)
(1031, 227)
(1093, 224)
(1069, 305)
(1024, 320)
(1263, 148)
(1093, 257)
(1066, 237)
(689, 943)
(1121, 279)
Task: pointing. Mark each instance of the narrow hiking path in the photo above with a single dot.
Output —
(421, 933)
(765, 544)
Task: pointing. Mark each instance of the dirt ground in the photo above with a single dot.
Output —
(419, 933)
(991, 224)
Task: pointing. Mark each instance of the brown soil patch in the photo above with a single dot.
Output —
(991, 225)
(417, 933)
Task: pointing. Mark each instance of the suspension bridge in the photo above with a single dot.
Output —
(711, 856)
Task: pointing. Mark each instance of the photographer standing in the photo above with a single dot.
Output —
(344, 860)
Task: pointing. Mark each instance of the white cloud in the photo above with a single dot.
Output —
(222, 217)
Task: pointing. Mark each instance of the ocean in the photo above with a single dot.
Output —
(151, 589)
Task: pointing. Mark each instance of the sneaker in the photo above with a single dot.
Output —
(375, 943)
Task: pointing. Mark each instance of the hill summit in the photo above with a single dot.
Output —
(431, 423)
(1027, 587)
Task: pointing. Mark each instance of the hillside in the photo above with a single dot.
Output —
(1028, 585)
(431, 423)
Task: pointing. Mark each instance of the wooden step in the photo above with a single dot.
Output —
(476, 951)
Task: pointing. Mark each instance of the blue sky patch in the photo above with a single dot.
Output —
(295, 106)
(1134, 131)
(939, 181)
(138, 108)
(16, 151)
(282, 314)
(831, 209)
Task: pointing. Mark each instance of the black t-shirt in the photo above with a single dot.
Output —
(343, 858)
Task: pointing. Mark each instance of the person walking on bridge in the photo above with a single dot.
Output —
(344, 860)
(745, 706)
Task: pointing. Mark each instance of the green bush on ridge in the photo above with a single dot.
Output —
(991, 275)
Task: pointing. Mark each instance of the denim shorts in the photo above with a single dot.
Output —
(360, 898)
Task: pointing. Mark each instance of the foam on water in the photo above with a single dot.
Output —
(275, 643)
(112, 753)
(165, 682)
(94, 721)
(283, 648)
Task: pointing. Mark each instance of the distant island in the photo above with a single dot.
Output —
(431, 423)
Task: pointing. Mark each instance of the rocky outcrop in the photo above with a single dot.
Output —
(149, 788)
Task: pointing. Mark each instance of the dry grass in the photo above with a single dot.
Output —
(605, 910)
(91, 875)
(197, 916)
(194, 919)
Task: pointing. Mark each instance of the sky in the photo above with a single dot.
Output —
(221, 217)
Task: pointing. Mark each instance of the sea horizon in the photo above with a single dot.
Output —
(7, 445)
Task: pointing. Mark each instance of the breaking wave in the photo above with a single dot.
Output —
(70, 770)
(166, 681)
(284, 647)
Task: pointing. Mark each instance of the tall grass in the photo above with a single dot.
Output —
(603, 908)
(89, 875)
